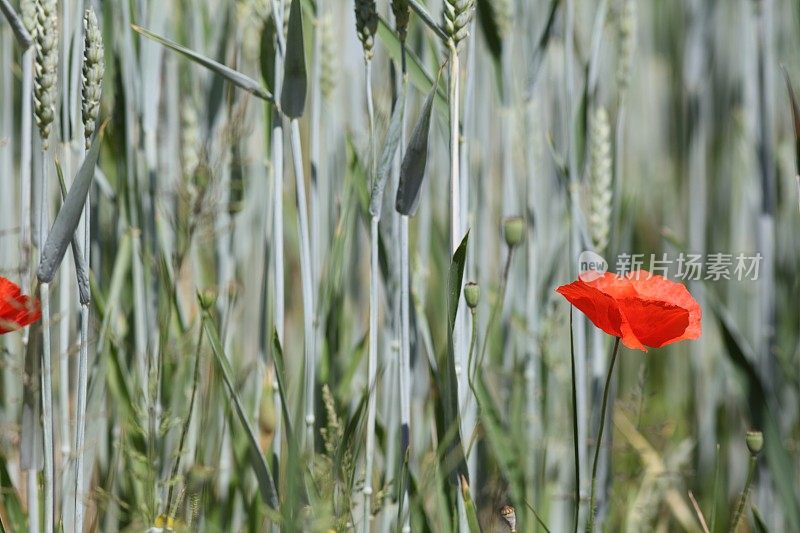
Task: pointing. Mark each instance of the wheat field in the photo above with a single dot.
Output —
(292, 265)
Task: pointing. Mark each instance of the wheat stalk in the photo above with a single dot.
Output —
(28, 14)
(366, 26)
(44, 89)
(93, 69)
(276, 157)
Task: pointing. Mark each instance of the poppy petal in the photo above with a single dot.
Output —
(600, 308)
(16, 309)
(653, 323)
(655, 287)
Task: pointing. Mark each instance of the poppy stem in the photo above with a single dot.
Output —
(737, 517)
(577, 457)
(590, 525)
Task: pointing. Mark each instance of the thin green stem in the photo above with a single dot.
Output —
(185, 429)
(471, 368)
(497, 306)
(577, 456)
(715, 492)
(743, 498)
(597, 446)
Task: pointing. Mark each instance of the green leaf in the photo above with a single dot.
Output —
(469, 507)
(293, 94)
(489, 29)
(12, 518)
(266, 484)
(541, 46)
(77, 250)
(451, 416)
(267, 53)
(795, 117)
(412, 171)
(280, 374)
(69, 215)
(237, 78)
(427, 19)
(417, 74)
(387, 157)
(294, 481)
(494, 42)
(215, 93)
(758, 520)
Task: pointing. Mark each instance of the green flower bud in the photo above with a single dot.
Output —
(472, 293)
(514, 231)
(755, 441)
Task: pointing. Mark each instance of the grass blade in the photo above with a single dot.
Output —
(412, 172)
(295, 80)
(11, 516)
(469, 507)
(426, 17)
(267, 53)
(488, 21)
(387, 158)
(452, 418)
(63, 230)
(795, 117)
(78, 256)
(237, 78)
(417, 74)
(266, 483)
(541, 45)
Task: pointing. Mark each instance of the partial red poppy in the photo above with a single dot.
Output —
(16, 309)
(641, 309)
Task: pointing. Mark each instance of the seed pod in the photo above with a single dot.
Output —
(402, 14)
(514, 231)
(472, 294)
(755, 441)
(600, 180)
(45, 67)
(366, 25)
(457, 16)
(627, 44)
(93, 70)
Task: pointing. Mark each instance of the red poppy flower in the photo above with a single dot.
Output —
(641, 309)
(16, 309)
